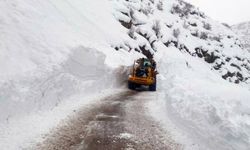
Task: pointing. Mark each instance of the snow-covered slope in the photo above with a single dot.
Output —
(178, 23)
(243, 30)
(53, 54)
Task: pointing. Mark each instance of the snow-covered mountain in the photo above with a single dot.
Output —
(178, 23)
(243, 30)
(55, 54)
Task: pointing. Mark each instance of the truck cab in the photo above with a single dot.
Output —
(143, 73)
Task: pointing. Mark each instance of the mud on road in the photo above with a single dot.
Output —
(118, 122)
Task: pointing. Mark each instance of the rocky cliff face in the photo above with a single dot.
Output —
(175, 23)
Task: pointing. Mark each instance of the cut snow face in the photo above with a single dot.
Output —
(205, 111)
(83, 69)
(179, 24)
(84, 73)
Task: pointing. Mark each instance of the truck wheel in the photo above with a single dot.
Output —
(152, 87)
(131, 85)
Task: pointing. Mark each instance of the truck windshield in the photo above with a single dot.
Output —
(147, 62)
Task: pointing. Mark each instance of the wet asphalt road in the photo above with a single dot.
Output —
(118, 122)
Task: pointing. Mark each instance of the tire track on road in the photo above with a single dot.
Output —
(118, 122)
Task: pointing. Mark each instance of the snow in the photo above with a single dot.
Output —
(125, 136)
(31, 129)
(201, 110)
(58, 56)
(55, 55)
(243, 30)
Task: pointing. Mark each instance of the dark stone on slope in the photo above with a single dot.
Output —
(146, 52)
(210, 58)
(240, 76)
(234, 65)
(127, 25)
(228, 59)
(228, 74)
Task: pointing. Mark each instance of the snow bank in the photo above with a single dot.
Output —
(29, 101)
(53, 55)
(204, 111)
(80, 72)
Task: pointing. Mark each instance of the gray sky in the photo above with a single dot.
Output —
(228, 11)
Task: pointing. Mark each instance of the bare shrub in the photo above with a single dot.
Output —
(187, 8)
(216, 38)
(207, 26)
(147, 10)
(157, 27)
(176, 33)
(195, 33)
(182, 11)
(203, 35)
(176, 9)
(127, 25)
(194, 24)
(160, 6)
(131, 32)
(152, 1)
(226, 25)
(131, 14)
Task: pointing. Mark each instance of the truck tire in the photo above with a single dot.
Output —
(152, 87)
(131, 85)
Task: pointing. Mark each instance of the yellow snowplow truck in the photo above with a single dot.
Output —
(143, 73)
